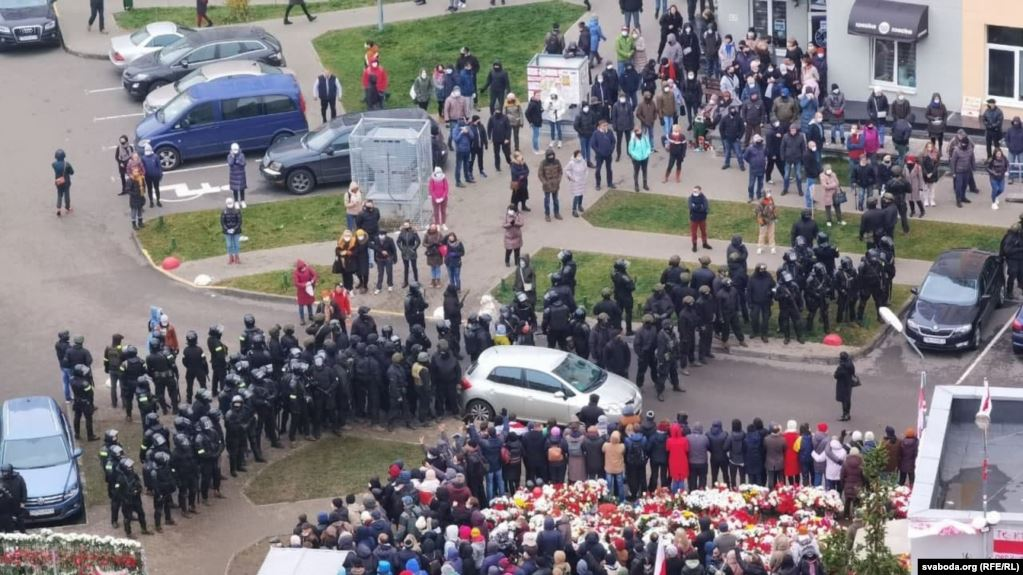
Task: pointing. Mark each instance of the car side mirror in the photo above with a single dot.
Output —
(559, 394)
(183, 63)
(914, 291)
(77, 452)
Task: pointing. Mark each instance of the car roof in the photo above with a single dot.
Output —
(231, 68)
(30, 417)
(240, 86)
(216, 34)
(157, 28)
(540, 358)
(962, 264)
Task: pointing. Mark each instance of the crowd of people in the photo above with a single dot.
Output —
(428, 516)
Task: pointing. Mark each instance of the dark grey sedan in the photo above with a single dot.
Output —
(321, 156)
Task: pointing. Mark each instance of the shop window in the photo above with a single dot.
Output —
(1005, 62)
(894, 63)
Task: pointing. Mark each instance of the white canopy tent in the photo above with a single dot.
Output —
(301, 561)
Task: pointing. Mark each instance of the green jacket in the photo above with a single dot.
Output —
(422, 89)
(625, 46)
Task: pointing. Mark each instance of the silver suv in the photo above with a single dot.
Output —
(538, 384)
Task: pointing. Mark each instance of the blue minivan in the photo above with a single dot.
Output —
(254, 112)
(37, 441)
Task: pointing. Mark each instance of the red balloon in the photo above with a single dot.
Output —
(537, 492)
(170, 263)
(833, 339)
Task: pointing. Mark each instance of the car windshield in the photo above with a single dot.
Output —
(320, 138)
(190, 80)
(171, 53)
(580, 374)
(34, 453)
(139, 37)
(949, 291)
(174, 108)
(12, 4)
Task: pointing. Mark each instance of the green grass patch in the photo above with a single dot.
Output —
(331, 467)
(594, 274)
(276, 282)
(670, 215)
(196, 235)
(220, 15)
(130, 435)
(407, 47)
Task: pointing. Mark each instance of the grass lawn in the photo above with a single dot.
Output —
(185, 15)
(407, 47)
(331, 467)
(131, 437)
(196, 235)
(670, 215)
(594, 274)
(277, 282)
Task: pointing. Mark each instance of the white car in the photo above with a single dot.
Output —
(125, 49)
(159, 97)
(538, 384)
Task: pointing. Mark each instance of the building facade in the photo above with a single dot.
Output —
(992, 53)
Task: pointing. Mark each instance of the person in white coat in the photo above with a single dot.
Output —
(554, 108)
(833, 457)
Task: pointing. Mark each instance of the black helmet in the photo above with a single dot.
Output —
(127, 464)
(216, 330)
(887, 243)
(791, 257)
(473, 318)
(800, 242)
(204, 395)
(79, 340)
(191, 337)
(807, 214)
(289, 329)
(819, 269)
(131, 351)
(521, 297)
(419, 330)
(555, 278)
(580, 312)
(386, 332)
(257, 340)
(182, 424)
(181, 441)
(335, 325)
(154, 345)
(110, 437)
(873, 254)
(159, 440)
(666, 324)
(674, 260)
(621, 265)
(150, 420)
(295, 353)
(822, 238)
(485, 318)
(786, 277)
(205, 423)
(82, 370)
(237, 400)
(64, 335)
(415, 287)
(250, 321)
(565, 256)
(115, 451)
(846, 262)
(363, 310)
(242, 366)
(161, 457)
(145, 380)
(234, 358)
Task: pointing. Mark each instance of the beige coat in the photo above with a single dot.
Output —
(828, 187)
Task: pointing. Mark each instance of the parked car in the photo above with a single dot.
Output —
(126, 48)
(537, 384)
(159, 97)
(37, 441)
(321, 156)
(1017, 331)
(28, 22)
(959, 293)
(253, 112)
(196, 49)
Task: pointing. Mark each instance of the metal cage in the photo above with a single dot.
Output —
(392, 160)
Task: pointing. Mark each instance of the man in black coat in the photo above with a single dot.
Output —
(608, 306)
(617, 356)
(497, 82)
(899, 188)
(760, 292)
(732, 129)
(589, 414)
(500, 137)
(1012, 251)
(623, 288)
(805, 227)
(728, 312)
(872, 222)
(644, 344)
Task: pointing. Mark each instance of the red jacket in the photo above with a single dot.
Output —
(678, 454)
(303, 275)
(791, 455)
(343, 301)
(377, 71)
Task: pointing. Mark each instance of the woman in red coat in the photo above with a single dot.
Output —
(304, 279)
(678, 457)
(791, 454)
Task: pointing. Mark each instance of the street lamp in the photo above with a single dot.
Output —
(893, 320)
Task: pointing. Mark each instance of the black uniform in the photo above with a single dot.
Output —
(129, 495)
(581, 339)
(817, 296)
(446, 373)
(196, 368)
(870, 284)
(644, 344)
(728, 303)
(790, 304)
(1012, 252)
(237, 426)
(161, 366)
(164, 484)
(109, 458)
(415, 307)
(688, 326)
(760, 294)
(185, 463)
(706, 308)
(84, 402)
(13, 496)
(396, 396)
(218, 361)
(208, 447)
(667, 359)
(613, 311)
(623, 288)
(556, 323)
(844, 283)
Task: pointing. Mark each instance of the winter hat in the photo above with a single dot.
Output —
(321, 517)
(822, 427)
(791, 425)
(229, 202)
(650, 414)
(464, 532)
(555, 432)
(784, 92)
(868, 436)
(629, 410)
(235, 148)
(857, 435)
(438, 173)
(365, 517)
(854, 451)
(501, 329)
(889, 432)
(393, 471)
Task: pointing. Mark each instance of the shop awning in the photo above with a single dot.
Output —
(887, 19)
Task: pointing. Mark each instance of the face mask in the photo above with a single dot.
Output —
(937, 101)
(586, 108)
(691, 76)
(600, 79)
(900, 97)
(666, 90)
(692, 563)
(835, 91)
(621, 100)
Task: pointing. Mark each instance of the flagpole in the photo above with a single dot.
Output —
(983, 421)
(922, 406)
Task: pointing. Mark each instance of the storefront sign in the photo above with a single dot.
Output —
(1008, 543)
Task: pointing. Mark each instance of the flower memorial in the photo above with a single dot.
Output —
(756, 515)
(69, 554)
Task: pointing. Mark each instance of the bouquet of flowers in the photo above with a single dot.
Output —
(69, 553)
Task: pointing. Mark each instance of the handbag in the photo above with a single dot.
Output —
(515, 185)
(62, 179)
(854, 381)
(840, 197)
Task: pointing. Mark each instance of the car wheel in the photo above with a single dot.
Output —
(280, 138)
(478, 410)
(975, 341)
(169, 158)
(1001, 297)
(301, 181)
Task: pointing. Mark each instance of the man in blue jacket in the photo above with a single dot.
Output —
(463, 154)
(491, 441)
(699, 207)
(603, 144)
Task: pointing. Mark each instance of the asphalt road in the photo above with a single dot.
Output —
(82, 272)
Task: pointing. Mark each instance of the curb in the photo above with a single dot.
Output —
(79, 53)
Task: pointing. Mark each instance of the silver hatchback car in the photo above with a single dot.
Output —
(538, 384)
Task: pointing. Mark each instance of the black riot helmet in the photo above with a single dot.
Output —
(791, 256)
(217, 330)
(131, 351)
(819, 269)
(386, 332)
(873, 255)
(250, 321)
(191, 337)
(110, 437)
(580, 312)
(846, 263)
(162, 458)
(621, 265)
(150, 420)
(822, 238)
(786, 277)
(82, 370)
(800, 242)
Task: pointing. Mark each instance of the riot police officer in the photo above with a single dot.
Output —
(738, 258)
(84, 400)
(144, 395)
(556, 324)
(61, 347)
(208, 447)
(363, 324)
(706, 309)
(568, 269)
(844, 282)
(608, 306)
(703, 276)
(659, 305)
(237, 424)
(108, 461)
(728, 312)
(580, 333)
(161, 367)
(667, 359)
(324, 388)
(826, 253)
(218, 357)
(871, 284)
(817, 296)
(298, 404)
(423, 384)
(245, 339)
(688, 326)
(13, 496)
(77, 354)
(396, 386)
(196, 367)
(163, 483)
(129, 495)
(761, 296)
(623, 288)
(186, 473)
(790, 304)
(447, 374)
(644, 345)
(415, 306)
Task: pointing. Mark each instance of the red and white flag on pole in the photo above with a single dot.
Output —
(660, 565)
(983, 417)
(921, 411)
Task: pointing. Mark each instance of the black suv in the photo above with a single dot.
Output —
(196, 49)
(28, 22)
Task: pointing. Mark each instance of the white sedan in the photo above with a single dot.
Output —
(125, 49)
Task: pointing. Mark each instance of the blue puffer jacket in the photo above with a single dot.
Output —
(807, 108)
(463, 141)
(467, 83)
(754, 452)
(236, 167)
(1014, 137)
(756, 156)
(603, 143)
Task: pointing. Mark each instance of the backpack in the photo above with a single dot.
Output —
(553, 43)
(555, 454)
(634, 454)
